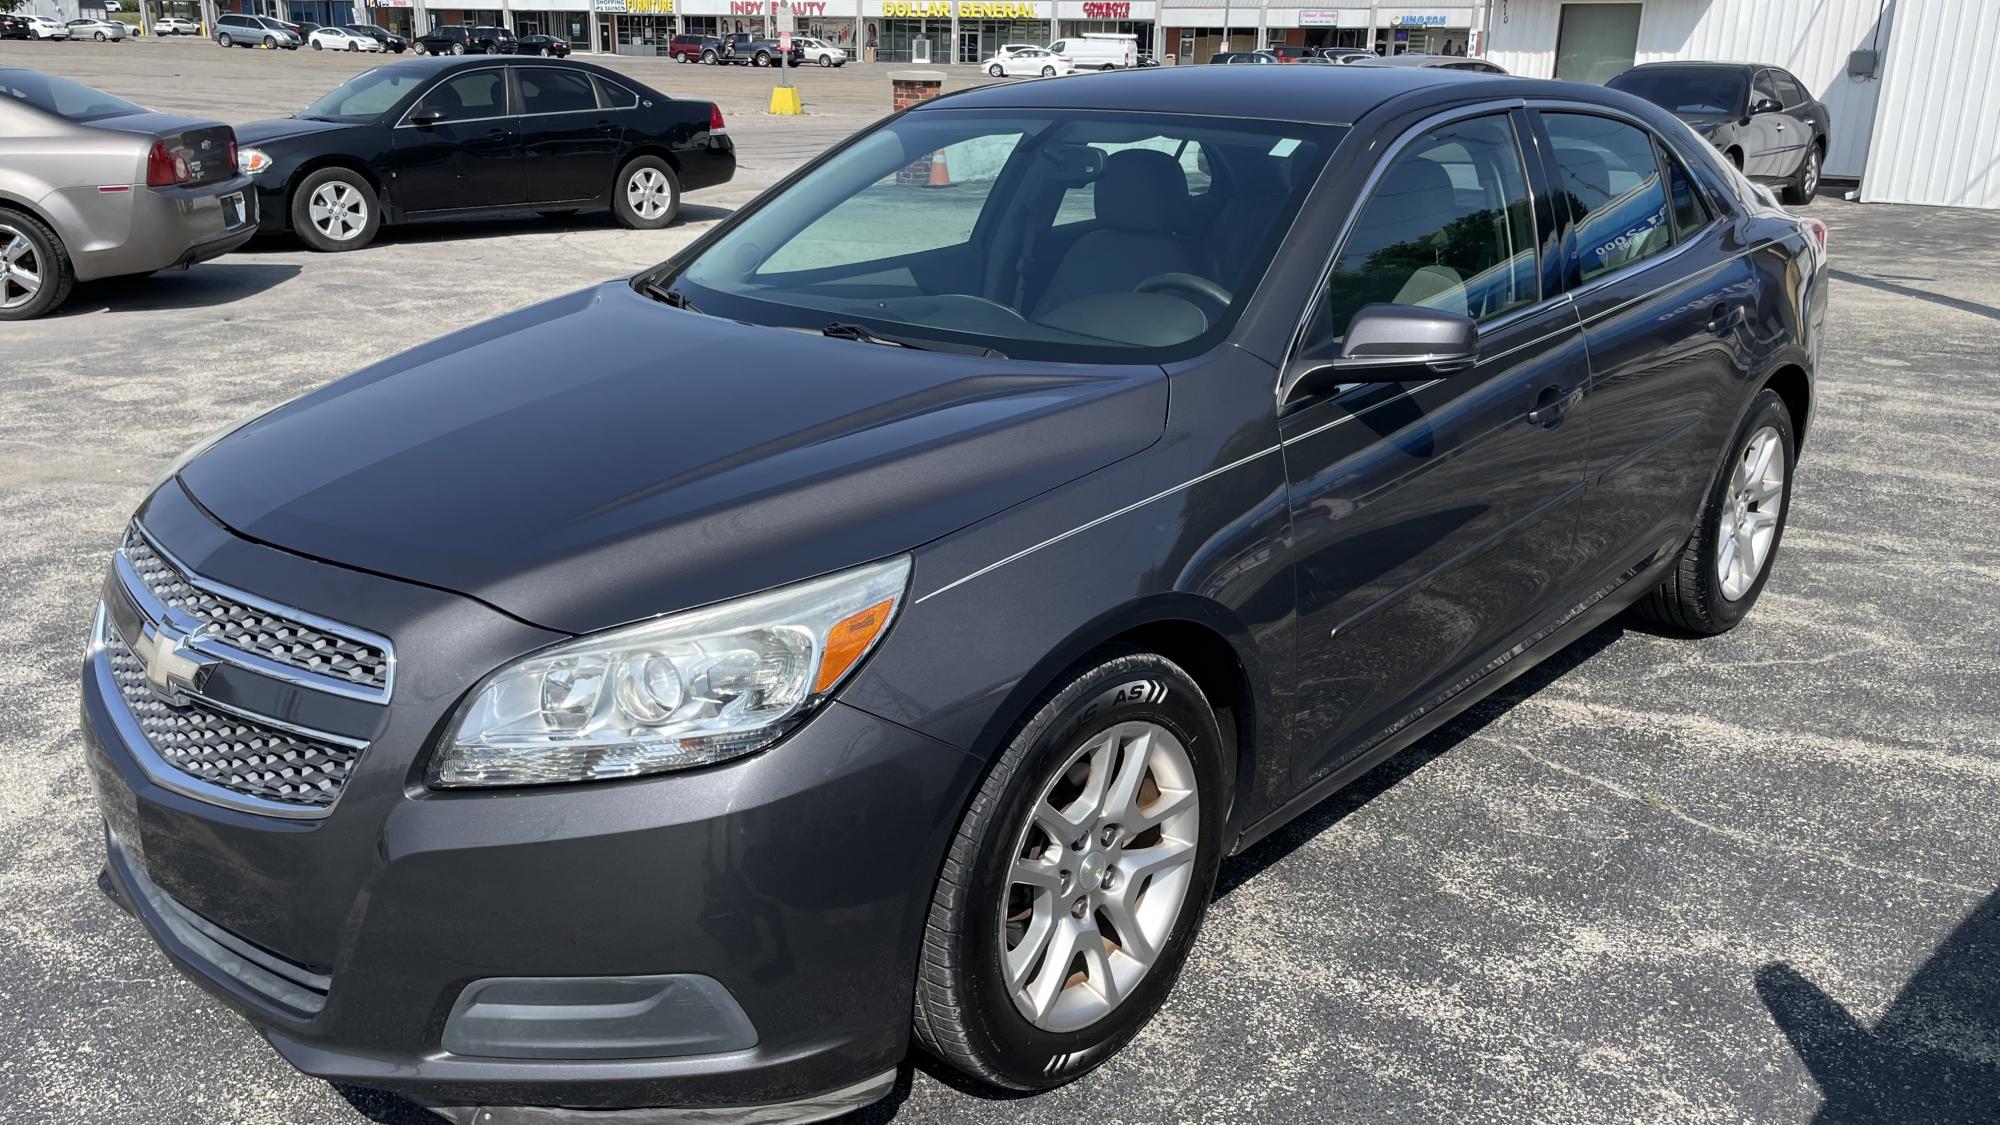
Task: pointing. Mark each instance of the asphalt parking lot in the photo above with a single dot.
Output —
(1751, 878)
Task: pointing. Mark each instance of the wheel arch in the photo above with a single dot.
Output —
(313, 164)
(1794, 387)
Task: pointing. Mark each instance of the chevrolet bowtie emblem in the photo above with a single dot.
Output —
(171, 669)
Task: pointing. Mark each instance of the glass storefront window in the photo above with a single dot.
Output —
(1596, 42)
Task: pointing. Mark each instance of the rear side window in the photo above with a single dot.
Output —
(547, 90)
(1448, 226)
(616, 96)
(1612, 183)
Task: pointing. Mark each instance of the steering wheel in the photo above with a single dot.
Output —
(1187, 283)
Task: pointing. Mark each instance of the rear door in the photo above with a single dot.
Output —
(1764, 154)
(1798, 125)
(1663, 292)
(1434, 516)
(568, 141)
(470, 156)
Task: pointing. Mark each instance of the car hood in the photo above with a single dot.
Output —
(274, 129)
(601, 457)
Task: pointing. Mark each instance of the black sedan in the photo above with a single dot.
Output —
(553, 46)
(451, 137)
(697, 730)
(390, 40)
(1761, 118)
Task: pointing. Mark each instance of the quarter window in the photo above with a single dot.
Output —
(1690, 213)
(547, 90)
(1450, 226)
(1612, 183)
(616, 96)
(468, 97)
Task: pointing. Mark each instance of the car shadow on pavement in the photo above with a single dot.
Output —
(204, 286)
(1934, 1056)
(489, 226)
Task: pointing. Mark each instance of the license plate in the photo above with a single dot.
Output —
(232, 209)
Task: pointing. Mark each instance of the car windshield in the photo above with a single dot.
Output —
(73, 101)
(1688, 90)
(1044, 234)
(367, 95)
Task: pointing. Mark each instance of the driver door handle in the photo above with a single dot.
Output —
(1552, 404)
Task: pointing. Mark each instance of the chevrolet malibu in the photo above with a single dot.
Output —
(546, 721)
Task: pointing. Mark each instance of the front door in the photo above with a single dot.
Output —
(968, 46)
(568, 144)
(469, 155)
(1433, 514)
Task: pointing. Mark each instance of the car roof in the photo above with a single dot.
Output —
(1326, 95)
(1673, 64)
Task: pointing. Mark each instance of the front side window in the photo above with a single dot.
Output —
(468, 97)
(949, 226)
(547, 90)
(1764, 88)
(1449, 225)
(367, 95)
(1611, 182)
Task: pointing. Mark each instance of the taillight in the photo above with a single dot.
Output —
(164, 169)
(715, 124)
(1816, 228)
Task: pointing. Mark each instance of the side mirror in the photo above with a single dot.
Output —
(425, 118)
(1765, 105)
(1390, 344)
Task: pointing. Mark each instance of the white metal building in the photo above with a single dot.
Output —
(1913, 85)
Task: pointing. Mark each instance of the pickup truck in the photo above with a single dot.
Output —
(756, 50)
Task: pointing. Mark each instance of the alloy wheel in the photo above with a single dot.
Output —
(1809, 183)
(1749, 519)
(338, 210)
(649, 193)
(21, 268)
(1098, 876)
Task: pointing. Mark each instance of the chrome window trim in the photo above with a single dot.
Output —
(155, 610)
(1389, 154)
(164, 773)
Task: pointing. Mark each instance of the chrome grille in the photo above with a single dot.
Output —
(258, 632)
(238, 754)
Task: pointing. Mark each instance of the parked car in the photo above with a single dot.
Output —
(43, 27)
(341, 39)
(175, 25)
(1241, 58)
(102, 31)
(234, 29)
(551, 46)
(1286, 53)
(745, 48)
(1028, 61)
(1344, 54)
(1099, 51)
(695, 48)
(649, 727)
(93, 186)
(459, 39)
(1761, 118)
(305, 29)
(390, 40)
(1434, 62)
(818, 52)
(423, 139)
(15, 27)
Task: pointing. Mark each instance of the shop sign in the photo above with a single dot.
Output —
(917, 9)
(1422, 21)
(1319, 17)
(645, 7)
(805, 9)
(998, 10)
(1107, 9)
(608, 7)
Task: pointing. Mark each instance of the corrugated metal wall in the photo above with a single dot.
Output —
(1810, 38)
(1937, 136)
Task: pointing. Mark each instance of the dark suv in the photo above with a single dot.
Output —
(459, 39)
(695, 48)
(1761, 118)
(546, 717)
(757, 50)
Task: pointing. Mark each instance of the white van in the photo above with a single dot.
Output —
(1099, 51)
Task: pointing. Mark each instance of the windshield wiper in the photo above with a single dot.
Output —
(672, 298)
(860, 334)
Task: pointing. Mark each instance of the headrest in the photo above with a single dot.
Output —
(1141, 189)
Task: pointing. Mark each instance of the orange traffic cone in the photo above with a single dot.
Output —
(940, 175)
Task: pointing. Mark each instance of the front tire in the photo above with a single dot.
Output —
(270, 42)
(35, 270)
(647, 194)
(1805, 184)
(1077, 879)
(336, 209)
(224, 40)
(316, 45)
(1727, 560)
(458, 48)
(997, 71)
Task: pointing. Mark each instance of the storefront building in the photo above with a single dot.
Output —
(1123, 17)
(633, 27)
(1198, 30)
(397, 16)
(566, 19)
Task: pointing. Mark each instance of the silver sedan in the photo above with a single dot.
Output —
(100, 30)
(93, 186)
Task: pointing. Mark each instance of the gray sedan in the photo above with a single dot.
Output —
(100, 30)
(93, 186)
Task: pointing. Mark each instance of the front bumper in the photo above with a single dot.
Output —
(149, 228)
(796, 879)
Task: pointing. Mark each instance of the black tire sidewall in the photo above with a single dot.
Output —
(302, 221)
(1115, 692)
(1767, 409)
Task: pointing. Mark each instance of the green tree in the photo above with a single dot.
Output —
(11, 5)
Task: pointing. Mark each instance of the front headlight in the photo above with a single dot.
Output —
(680, 691)
(252, 161)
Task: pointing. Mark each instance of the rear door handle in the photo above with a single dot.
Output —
(1724, 317)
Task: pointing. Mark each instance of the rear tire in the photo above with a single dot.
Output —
(1132, 724)
(335, 209)
(224, 40)
(1696, 596)
(646, 195)
(42, 255)
(1048, 72)
(708, 57)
